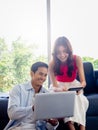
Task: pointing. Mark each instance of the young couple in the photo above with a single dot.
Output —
(63, 69)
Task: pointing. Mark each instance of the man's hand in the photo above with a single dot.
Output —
(53, 122)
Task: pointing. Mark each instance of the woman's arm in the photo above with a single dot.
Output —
(79, 64)
(51, 74)
(56, 88)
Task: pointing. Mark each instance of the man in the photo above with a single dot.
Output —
(21, 100)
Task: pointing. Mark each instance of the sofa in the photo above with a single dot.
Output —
(91, 91)
(3, 112)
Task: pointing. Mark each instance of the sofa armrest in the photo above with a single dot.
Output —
(96, 77)
(3, 112)
(90, 78)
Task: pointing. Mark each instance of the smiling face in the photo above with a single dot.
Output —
(39, 77)
(62, 50)
(62, 54)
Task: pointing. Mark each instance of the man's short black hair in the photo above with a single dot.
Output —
(36, 65)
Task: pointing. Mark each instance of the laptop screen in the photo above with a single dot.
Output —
(54, 105)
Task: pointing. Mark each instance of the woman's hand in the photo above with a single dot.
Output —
(64, 88)
(79, 92)
(59, 89)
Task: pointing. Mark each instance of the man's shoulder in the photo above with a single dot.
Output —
(21, 86)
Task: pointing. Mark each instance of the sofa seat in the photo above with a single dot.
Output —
(93, 105)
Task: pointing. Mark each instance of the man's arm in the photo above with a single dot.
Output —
(17, 108)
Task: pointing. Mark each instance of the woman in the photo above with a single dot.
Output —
(63, 70)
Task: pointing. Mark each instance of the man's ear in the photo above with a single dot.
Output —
(31, 73)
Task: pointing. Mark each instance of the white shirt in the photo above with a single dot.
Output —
(21, 100)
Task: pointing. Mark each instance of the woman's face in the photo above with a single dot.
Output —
(62, 54)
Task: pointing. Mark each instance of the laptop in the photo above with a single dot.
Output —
(54, 105)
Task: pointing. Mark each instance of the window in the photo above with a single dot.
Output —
(77, 20)
(23, 39)
(23, 34)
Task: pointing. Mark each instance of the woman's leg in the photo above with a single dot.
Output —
(70, 125)
(81, 127)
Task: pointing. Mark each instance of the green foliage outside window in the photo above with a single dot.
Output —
(15, 63)
(92, 60)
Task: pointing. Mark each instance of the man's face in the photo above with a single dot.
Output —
(39, 77)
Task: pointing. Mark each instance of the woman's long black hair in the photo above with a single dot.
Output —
(63, 41)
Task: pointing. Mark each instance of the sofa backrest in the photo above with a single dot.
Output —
(3, 113)
(90, 78)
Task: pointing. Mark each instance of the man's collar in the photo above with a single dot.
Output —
(29, 86)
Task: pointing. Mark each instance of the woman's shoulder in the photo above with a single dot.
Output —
(78, 60)
(77, 57)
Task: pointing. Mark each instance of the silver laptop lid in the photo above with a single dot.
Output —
(54, 105)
